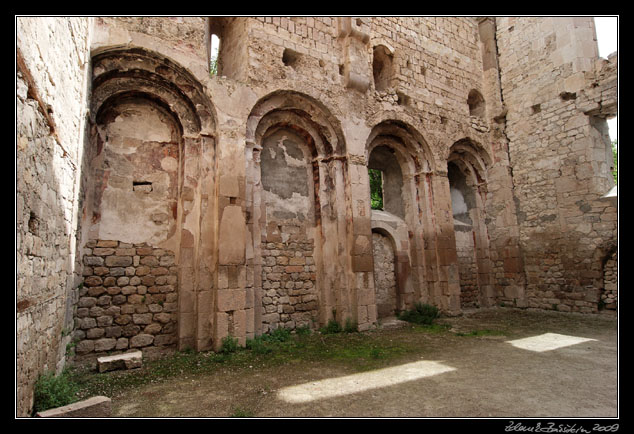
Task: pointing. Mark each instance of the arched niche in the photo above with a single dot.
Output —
(145, 110)
(296, 195)
(400, 153)
(382, 67)
(467, 166)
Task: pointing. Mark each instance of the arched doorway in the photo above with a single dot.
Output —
(297, 193)
(385, 281)
(466, 171)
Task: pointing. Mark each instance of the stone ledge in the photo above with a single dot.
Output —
(97, 406)
(120, 361)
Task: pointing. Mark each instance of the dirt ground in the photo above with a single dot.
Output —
(456, 374)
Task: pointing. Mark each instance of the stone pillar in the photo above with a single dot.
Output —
(363, 296)
(231, 308)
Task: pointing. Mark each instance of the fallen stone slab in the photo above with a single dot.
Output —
(120, 361)
(97, 406)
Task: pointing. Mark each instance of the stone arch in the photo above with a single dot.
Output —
(312, 114)
(143, 101)
(296, 172)
(397, 236)
(467, 166)
(119, 70)
(605, 262)
(398, 149)
(415, 153)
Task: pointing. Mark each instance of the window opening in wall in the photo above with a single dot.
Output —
(476, 104)
(376, 188)
(213, 62)
(381, 67)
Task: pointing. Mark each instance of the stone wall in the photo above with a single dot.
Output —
(235, 203)
(610, 295)
(289, 293)
(384, 275)
(469, 290)
(128, 299)
(52, 60)
(560, 155)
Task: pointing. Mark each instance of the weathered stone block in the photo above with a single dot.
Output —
(141, 340)
(118, 261)
(120, 361)
(95, 407)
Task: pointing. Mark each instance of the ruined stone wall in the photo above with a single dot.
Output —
(187, 167)
(52, 58)
(384, 275)
(559, 154)
(128, 299)
(610, 294)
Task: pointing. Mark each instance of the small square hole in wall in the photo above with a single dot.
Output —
(232, 200)
(536, 108)
(142, 186)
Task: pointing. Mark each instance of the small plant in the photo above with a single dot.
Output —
(280, 334)
(421, 314)
(70, 347)
(53, 391)
(351, 326)
(331, 328)
(258, 345)
(229, 345)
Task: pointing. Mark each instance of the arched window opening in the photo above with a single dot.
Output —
(387, 176)
(213, 54)
(476, 104)
(462, 203)
(376, 188)
(228, 55)
(382, 68)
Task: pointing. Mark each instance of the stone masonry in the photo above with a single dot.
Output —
(162, 206)
(128, 300)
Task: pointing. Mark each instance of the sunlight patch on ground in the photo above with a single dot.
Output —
(334, 387)
(547, 342)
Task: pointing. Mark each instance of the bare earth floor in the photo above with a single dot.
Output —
(491, 363)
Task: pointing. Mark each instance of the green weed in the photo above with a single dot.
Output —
(53, 391)
(421, 314)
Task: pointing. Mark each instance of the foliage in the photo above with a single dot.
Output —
(331, 327)
(213, 66)
(229, 345)
(351, 326)
(303, 330)
(53, 391)
(421, 314)
(265, 343)
(376, 188)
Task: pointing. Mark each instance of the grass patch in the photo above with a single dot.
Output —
(330, 328)
(359, 351)
(241, 412)
(432, 328)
